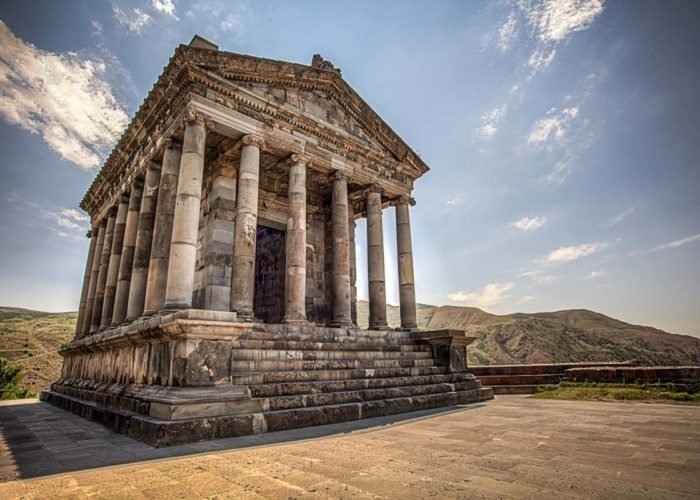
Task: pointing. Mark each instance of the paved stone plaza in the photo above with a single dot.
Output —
(511, 447)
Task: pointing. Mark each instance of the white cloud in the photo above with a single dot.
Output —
(64, 97)
(166, 7)
(97, 27)
(554, 127)
(490, 295)
(507, 33)
(553, 21)
(541, 58)
(69, 223)
(538, 276)
(134, 20)
(678, 243)
(529, 223)
(456, 201)
(566, 254)
(529, 274)
(230, 22)
(614, 221)
(489, 121)
(526, 298)
(596, 274)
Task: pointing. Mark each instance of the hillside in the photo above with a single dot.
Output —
(31, 339)
(562, 336)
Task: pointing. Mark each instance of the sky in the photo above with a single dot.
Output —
(562, 138)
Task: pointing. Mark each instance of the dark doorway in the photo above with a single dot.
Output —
(270, 259)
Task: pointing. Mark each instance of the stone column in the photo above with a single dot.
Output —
(353, 267)
(144, 239)
(295, 283)
(114, 259)
(126, 262)
(163, 230)
(102, 273)
(99, 230)
(183, 244)
(407, 292)
(340, 232)
(246, 227)
(217, 246)
(375, 259)
(92, 234)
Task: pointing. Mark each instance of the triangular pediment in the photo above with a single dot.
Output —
(313, 93)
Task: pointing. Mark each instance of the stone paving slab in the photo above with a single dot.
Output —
(512, 447)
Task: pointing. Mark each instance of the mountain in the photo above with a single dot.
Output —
(556, 337)
(32, 339)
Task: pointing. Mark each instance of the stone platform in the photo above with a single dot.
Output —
(197, 375)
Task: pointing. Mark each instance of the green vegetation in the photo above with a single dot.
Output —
(31, 339)
(10, 379)
(614, 392)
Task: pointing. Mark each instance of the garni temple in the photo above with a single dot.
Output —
(219, 296)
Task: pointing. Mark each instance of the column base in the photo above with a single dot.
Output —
(341, 324)
(379, 326)
(295, 321)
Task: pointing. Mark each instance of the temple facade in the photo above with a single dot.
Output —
(223, 232)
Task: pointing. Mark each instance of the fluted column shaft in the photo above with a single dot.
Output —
(404, 249)
(162, 230)
(340, 232)
(92, 234)
(295, 283)
(99, 230)
(102, 273)
(245, 231)
(375, 259)
(114, 259)
(183, 245)
(126, 262)
(144, 237)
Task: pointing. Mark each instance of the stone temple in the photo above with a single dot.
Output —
(219, 294)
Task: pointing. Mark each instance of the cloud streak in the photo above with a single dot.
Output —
(63, 97)
(678, 243)
(490, 295)
(529, 223)
(567, 254)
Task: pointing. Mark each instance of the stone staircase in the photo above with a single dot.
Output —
(285, 377)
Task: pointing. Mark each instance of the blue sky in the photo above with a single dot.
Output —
(562, 137)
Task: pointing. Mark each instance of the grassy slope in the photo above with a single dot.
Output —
(562, 336)
(32, 338)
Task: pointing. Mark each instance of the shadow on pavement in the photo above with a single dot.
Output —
(38, 439)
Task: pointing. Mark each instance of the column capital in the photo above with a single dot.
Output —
(253, 140)
(194, 116)
(404, 199)
(375, 188)
(339, 175)
(172, 143)
(300, 159)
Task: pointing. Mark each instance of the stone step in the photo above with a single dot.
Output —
(307, 345)
(313, 355)
(337, 398)
(378, 338)
(322, 386)
(282, 330)
(264, 365)
(271, 377)
(514, 389)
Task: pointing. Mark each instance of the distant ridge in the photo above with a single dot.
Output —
(552, 337)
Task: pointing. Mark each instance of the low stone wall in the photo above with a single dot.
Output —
(524, 379)
(686, 378)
